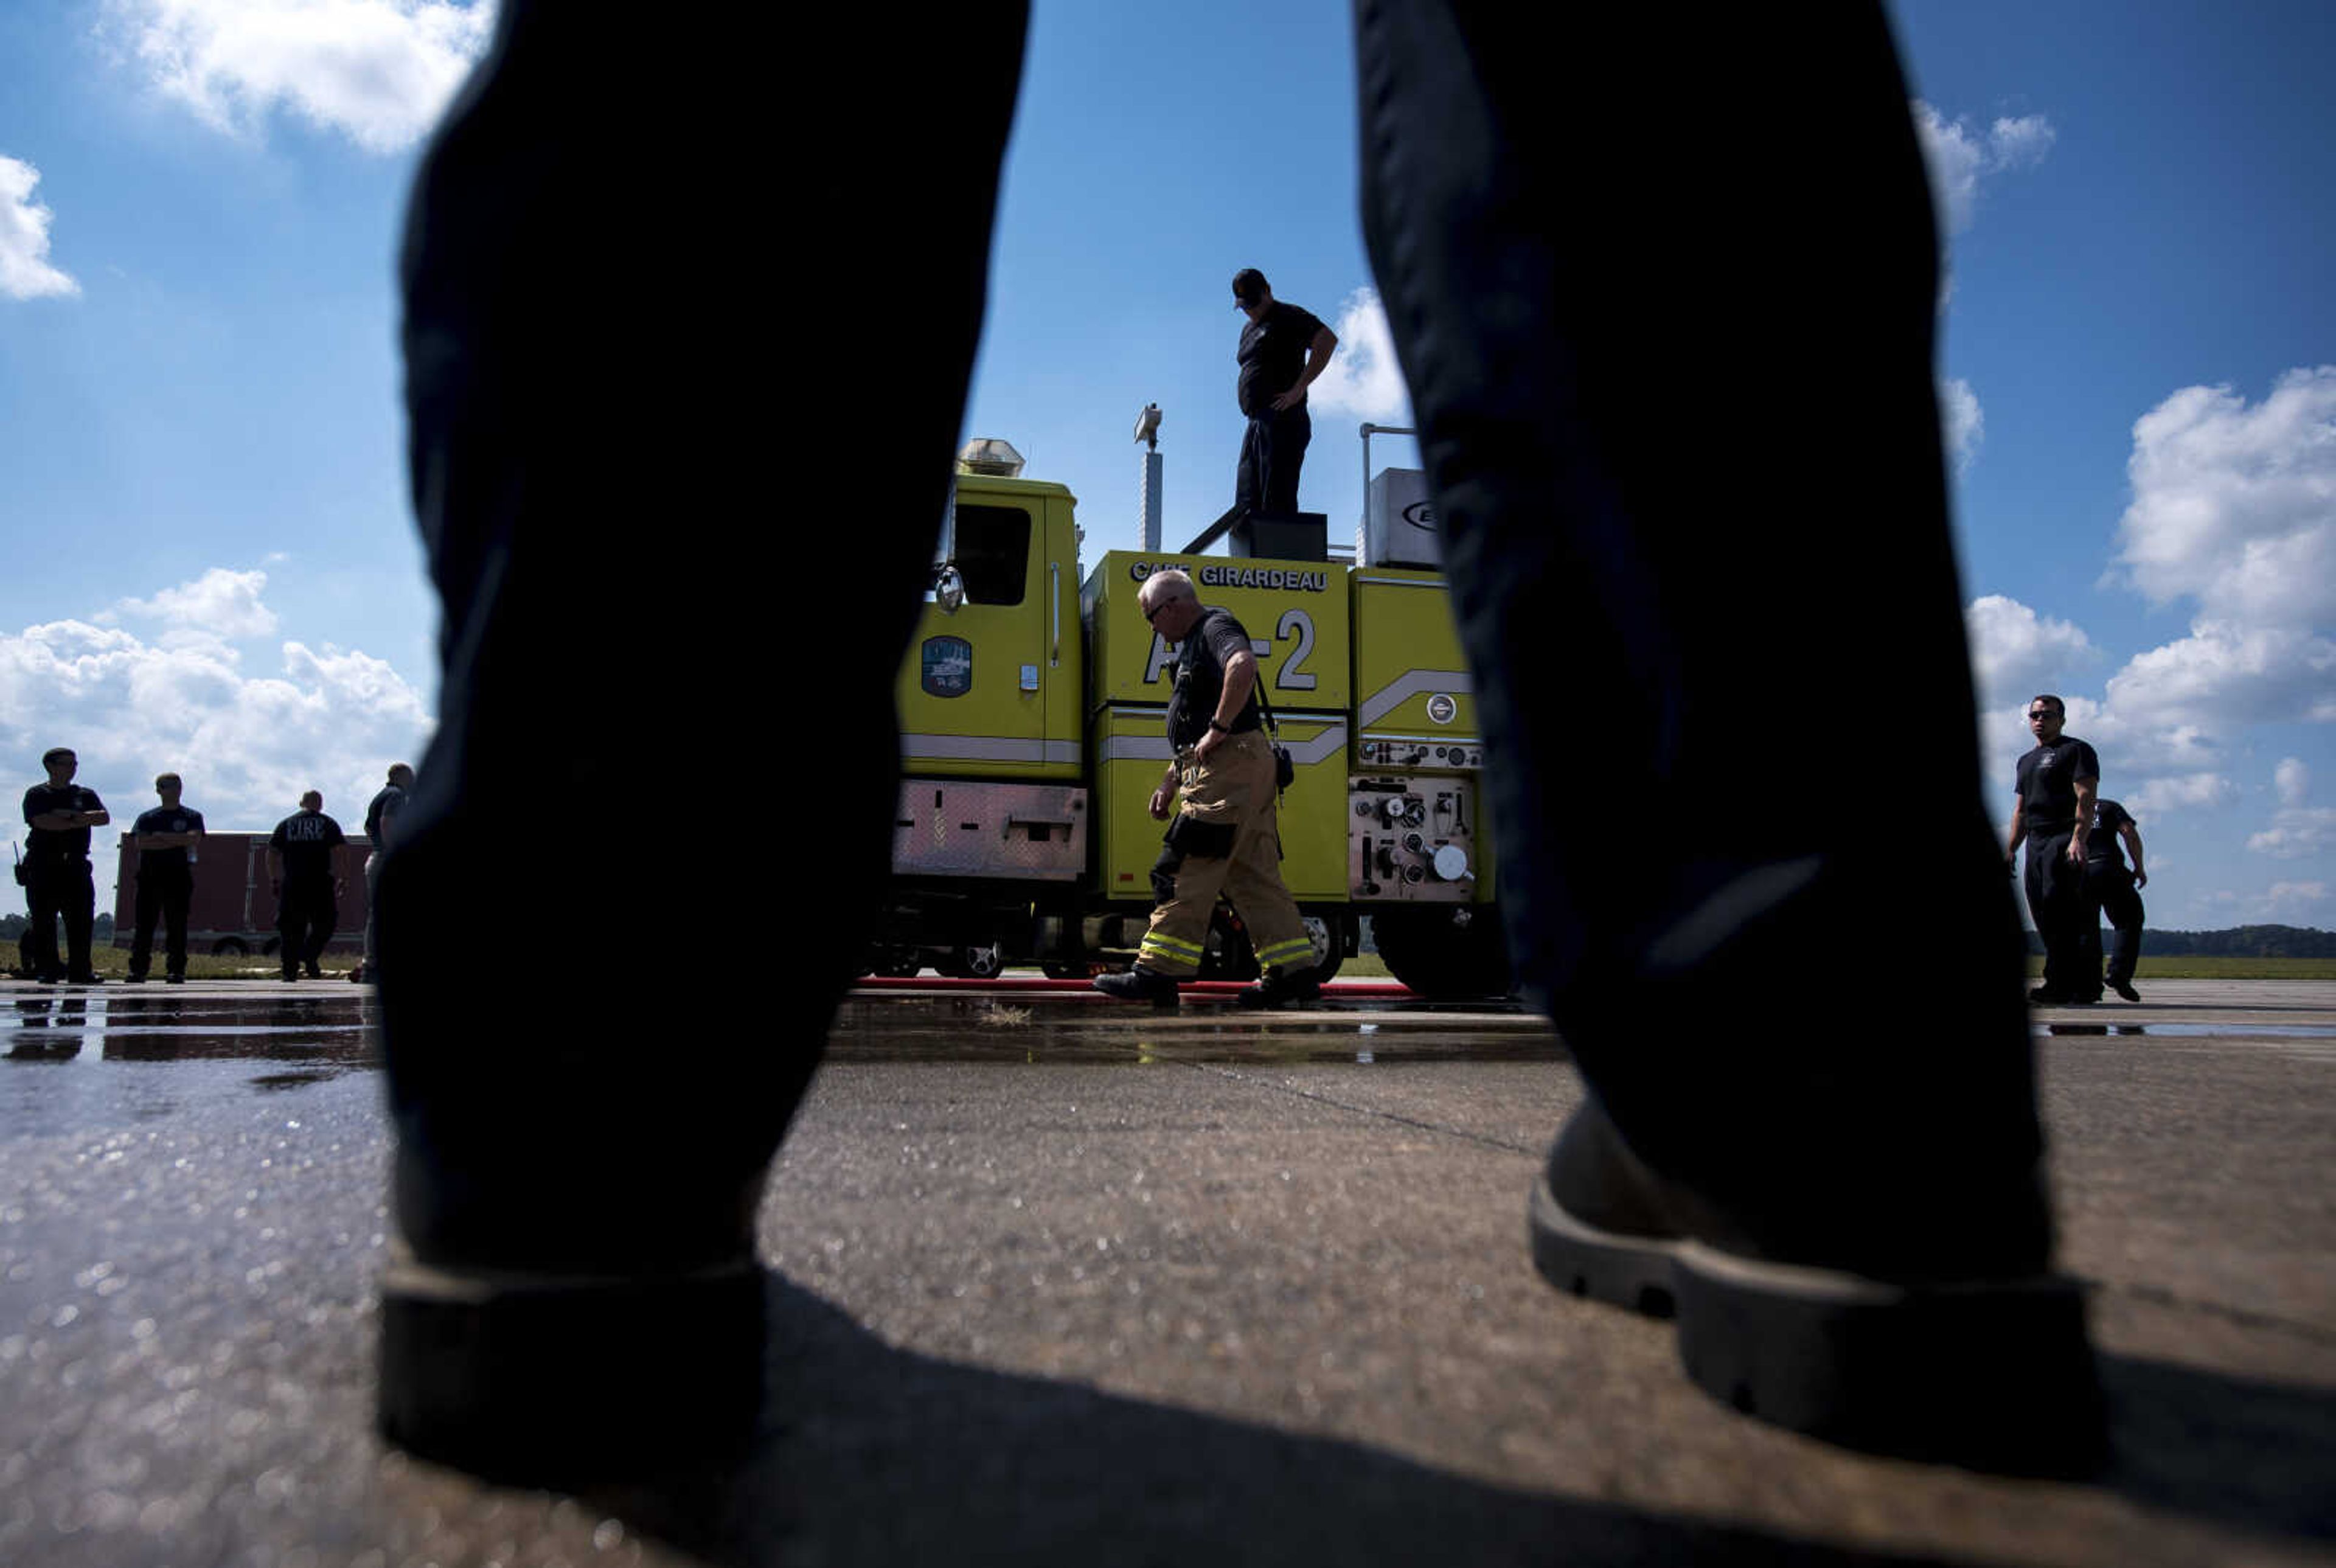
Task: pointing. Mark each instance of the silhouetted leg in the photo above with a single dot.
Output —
(655, 314)
(1677, 410)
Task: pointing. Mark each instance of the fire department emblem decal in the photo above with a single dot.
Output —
(949, 665)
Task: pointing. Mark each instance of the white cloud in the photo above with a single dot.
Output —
(24, 269)
(1364, 378)
(1961, 155)
(328, 719)
(2183, 792)
(2225, 676)
(220, 603)
(2297, 830)
(2016, 653)
(1963, 422)
(378, 71)
(2236, 506)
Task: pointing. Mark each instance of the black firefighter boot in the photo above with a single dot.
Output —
(1850, 1223)
(1138, 984)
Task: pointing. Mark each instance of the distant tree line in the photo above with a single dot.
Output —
(2238, 942)
(100, 929)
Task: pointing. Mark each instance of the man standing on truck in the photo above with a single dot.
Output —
(304, 867)
(1223, 839)
(56, 868)
(380, 820)
(166, 839)
(1282, 349)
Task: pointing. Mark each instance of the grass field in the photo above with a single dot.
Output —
(2204, 968)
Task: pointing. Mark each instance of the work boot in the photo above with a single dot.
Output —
(1988, 1368)
(315, 973)
(1280, 989)
(2124, 989)
(1138, 984)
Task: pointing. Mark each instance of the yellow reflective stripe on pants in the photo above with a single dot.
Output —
(1234, 788)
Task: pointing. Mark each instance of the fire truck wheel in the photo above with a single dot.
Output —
(229, 948)
(1445, 951)
(971, 963)
(1331, 935)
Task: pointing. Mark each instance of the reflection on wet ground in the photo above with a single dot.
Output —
(2196, 1031)
(985, 1030)
(333, 1029)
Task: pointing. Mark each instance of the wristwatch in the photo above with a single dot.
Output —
(1220, 728)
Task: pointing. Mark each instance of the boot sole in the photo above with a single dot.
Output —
(553, 1378)
(1997, 1374)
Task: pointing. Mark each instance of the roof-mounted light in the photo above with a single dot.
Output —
(987, 454)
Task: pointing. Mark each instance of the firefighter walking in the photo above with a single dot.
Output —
(1223, 840)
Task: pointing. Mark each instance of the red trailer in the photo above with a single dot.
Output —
(234, 909)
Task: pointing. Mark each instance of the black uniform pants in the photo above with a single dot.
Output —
(2109, 891)
(59, 889)
(305, 919)
(1544, 295)
(162, 899)
(1271, 453)
(2056, 904)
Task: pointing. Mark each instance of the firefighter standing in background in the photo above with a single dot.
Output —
(2053, 813)
(380, 823)
(166, 839)
(303, 865)
(1282, 349)
(2109, 889)
(56, 868)
(1223, 839)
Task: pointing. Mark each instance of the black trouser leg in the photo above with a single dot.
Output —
(1544, 297)
(2114, 894)
(1287, 434)
(177, 897)
(291, 927)
(43, 901)
(2057, 904)
(1249, 483)
(582, 457)
(77, 898)
(150, 915)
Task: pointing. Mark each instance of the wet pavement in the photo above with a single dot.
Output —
(1055, 1282)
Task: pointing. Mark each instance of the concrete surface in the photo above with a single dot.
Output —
(1056, 1282)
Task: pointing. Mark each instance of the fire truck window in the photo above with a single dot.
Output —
(992, 552)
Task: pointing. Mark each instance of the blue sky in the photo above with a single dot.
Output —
(211, 564)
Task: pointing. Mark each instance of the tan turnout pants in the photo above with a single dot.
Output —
(1223, 841)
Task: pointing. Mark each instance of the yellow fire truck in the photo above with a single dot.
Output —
(1032, 707)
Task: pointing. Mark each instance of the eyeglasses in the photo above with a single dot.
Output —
(2036, 712)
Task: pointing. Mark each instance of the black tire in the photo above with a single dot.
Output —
(230, 948)
(1446, 952)
(983, 963)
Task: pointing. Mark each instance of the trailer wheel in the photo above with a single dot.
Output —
(1445, 951)
(230, 948)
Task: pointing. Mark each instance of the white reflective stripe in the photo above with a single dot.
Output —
(1411, 684)
(988, 748)
(1329, 743)
(1436, 582)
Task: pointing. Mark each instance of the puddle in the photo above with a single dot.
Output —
(2196, 1031)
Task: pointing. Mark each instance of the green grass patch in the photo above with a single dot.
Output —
(2220, 967)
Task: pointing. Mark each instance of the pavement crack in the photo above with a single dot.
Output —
(1372, 1111)
(2160, 1295)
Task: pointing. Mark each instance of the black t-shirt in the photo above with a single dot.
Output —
(166, 820)
(2047, 784)
(2101, 848)
(386, 803)
(1272, 355)
(1201, 678)
(58, 846)
(306, 841)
